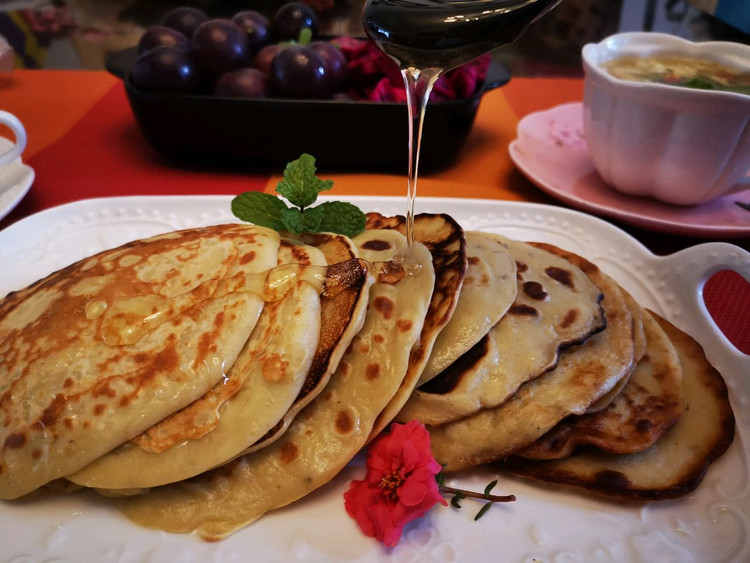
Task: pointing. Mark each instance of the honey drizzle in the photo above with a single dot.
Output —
(418, 83)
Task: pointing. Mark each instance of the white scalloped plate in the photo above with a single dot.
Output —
(710, 525)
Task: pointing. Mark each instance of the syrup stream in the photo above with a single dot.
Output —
(419, 83)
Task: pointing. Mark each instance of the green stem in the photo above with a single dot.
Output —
(492, 498)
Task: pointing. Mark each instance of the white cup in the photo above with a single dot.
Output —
(682, 146)
(15, 125)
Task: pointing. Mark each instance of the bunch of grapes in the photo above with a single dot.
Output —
(247, 56)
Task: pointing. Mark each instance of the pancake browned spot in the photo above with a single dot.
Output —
(384, 306)
(17, 440)
(570, 318)
(344, 422)
(522, 309)
(561, 275)
(372, 371)
(288, 452)
(534, 290)
(404, 325)
(377, 245)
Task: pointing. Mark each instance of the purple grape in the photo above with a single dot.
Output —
(298, 72)
(165, 69)
(185, 20)
(335, 63)
(219, 46)
(242, 83)
(262, 60)
(292, 18)
(159, 36)
(255, 26)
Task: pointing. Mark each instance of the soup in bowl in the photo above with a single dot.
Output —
(668, 118)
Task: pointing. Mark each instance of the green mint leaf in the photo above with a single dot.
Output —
(482, 511)
(300, 186)
(455, 503)
(341, 217)
(312, 220)
(297, 221)
(259, 208)
(489, 487)
(292, 218)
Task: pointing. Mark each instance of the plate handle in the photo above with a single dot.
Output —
(688, 270)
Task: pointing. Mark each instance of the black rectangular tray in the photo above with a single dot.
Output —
(202, 129)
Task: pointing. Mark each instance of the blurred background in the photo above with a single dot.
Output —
(79, 34)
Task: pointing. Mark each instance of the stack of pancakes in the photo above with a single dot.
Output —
(207, 376)
(578, 385)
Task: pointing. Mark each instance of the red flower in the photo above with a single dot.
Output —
(400, 484)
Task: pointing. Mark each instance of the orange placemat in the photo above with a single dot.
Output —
(483, 168)
(104, 154)
(51, 102)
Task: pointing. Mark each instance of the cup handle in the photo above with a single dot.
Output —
(15, 125)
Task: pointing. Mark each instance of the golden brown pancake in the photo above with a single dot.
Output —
(324, 437)
(343, 309)
(488, 290)
(445, 240)
(648, 405)
(556, 305)
(639, 337)
(253, 397)
(97, 352)
(583, 373)
(672, 467)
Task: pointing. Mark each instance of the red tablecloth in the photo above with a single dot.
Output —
(84, 142)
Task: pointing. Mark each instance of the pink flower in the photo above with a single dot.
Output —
(400, 484)
(376, 77)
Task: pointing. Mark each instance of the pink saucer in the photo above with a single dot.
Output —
(551, 151)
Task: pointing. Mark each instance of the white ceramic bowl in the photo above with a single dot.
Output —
(679, 145)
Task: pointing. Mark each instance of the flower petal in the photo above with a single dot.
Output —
(400, 484)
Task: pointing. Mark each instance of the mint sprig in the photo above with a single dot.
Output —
(300, 187)
(300, 184)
